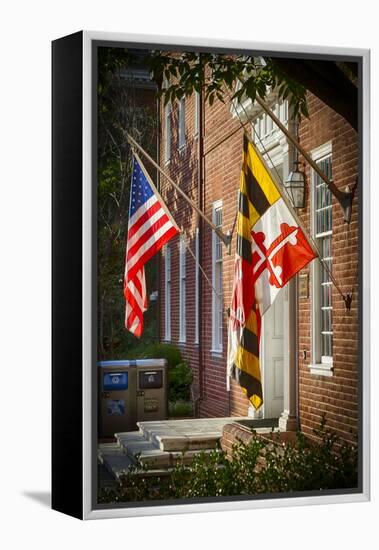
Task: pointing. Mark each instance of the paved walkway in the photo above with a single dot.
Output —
(159, 444)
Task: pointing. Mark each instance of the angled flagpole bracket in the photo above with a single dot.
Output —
(345, 198)
(226, 239)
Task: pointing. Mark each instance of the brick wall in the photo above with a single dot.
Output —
(222, 166)
(335, 395)
(338, 394)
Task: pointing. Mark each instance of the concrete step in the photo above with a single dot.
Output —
(136, 447)
(184, 435)
(186, 443)
(114, 460)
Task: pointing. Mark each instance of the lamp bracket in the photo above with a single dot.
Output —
(345, 198)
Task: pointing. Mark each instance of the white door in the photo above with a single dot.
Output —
(272, 358)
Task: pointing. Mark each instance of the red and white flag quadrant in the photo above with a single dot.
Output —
(136, 302)
(280, 249)
(150, 227)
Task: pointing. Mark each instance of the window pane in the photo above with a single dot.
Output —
(326, 324)
(327, 340)
(326, 295)
(323, 227)
(217, 320)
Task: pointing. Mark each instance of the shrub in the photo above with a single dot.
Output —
(260, 466)
(156, 350)
(180, 408)
(179, 382)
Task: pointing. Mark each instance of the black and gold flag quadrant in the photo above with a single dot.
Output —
(257, 194)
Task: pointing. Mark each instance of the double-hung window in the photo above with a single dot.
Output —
(167, 264)
(197, 114)
(322, 286)
(182, 290)
(197, 285)
(217, 300)
(167, 128)
(182, 124)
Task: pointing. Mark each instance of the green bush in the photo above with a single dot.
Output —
(258, 467)
(180, 409)
(179, 382)
(156, 350)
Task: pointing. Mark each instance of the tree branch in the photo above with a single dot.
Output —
(328, 82)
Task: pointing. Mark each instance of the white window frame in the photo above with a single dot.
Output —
(217, 308)
(320, 365)
(167, 130)
(167, 263)
(182, 124)
(197, 285)
(197, 114)
(182, 290)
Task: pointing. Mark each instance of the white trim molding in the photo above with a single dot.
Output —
(321, 366)
(182, 290)
(217, 316)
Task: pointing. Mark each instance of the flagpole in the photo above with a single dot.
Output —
(310, 239)
(345, 198)
(226, 239)
(164, 205)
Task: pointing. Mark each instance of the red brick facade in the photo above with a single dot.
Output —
(336, 394)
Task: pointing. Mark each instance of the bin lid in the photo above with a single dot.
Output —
(133, 363)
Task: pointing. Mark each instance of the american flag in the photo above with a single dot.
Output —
(150, 227)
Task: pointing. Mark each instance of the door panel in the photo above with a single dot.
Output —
(273, 358)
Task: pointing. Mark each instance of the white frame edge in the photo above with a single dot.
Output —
(88, 511)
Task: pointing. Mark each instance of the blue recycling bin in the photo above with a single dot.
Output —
(117, 397)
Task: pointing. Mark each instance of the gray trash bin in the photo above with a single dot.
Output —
(152, 395)
(117, 397)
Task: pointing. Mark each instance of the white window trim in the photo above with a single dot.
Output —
(216, 350)
(197, 115)
(182, 298)
(167, 133)
(182, 124)
(197, 285)
(167, 256)
(324, 367)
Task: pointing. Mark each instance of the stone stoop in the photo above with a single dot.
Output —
(113, 458)
(159, 445)
(185, 435)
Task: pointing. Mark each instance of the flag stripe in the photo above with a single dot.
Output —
(155, 207)
(148, 231)
(252, 387)
(261, 174)
(255, 193)
(149, 225)
(141, 211)
(248, 362)
(244, 248)
(133, 300)
(249, 342)
(243, 205)
(144, 244)
(136, 293)
(244, 226)
(154, 248)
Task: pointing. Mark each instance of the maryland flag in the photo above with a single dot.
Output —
(271, 249)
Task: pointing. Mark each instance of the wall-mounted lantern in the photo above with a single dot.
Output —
(295, 186)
